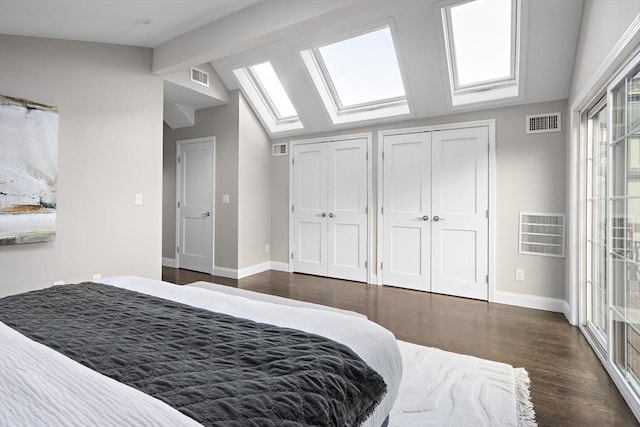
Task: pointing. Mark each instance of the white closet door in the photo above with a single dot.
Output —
(347, 209)
(310, 209)
(459, 203)
(406, 216)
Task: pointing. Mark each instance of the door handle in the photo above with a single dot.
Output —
(323, 214)
(437, 218)
(424, 218)
(331, 215)
(206, 214)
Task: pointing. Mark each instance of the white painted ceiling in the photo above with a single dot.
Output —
(227, 34)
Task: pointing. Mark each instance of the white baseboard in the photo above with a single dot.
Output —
(233, 273)
(280, 266)
(566, 310)
(169, 262)
(530, 301)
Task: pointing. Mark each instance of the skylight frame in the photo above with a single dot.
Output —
(266, 98)
(264, 107)
(498, 84)
(339, 113)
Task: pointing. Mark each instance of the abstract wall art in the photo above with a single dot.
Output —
(28, 171)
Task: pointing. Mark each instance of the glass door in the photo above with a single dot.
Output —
(624, 203)
(597, 246)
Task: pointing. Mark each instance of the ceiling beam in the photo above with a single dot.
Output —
(260, 24)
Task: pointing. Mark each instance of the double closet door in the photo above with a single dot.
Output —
(329, 210)
(435, 211)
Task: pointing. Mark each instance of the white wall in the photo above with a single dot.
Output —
(531, 176)
(254, 193)
(109, 148)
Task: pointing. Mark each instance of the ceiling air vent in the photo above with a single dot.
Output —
(542, 234)
(199, 77)
(279, 149)
(543, 123)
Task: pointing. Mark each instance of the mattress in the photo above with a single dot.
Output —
(44, 387)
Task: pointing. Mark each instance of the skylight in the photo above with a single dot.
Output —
(265, 93)
(482, 43)
(359, 78)
(271, 89)
(363, 69)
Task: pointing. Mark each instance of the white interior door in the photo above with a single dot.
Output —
(347, 209)
(459, 203)
(310, 209)
(195, 194)
(406, 205)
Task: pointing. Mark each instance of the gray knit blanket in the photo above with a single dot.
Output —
(217, 369)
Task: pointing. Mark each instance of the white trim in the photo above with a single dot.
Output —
(530, 301)
(566, 310)
(621, 52)
(491, 126)
(348, 137)
(233, 273)
(280, 266)
(169, 262)
(179, 143)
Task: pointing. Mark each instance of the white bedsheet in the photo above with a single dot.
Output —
(374, 344)
(39, 386)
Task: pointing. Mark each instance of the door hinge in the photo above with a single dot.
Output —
(380, 266)
(487, 279)
(366, 155)
(366, 209)
(291, 208)
(383, 155)
(178, 249)
(365, 264)
(487, 213)
(178, 159)
(488, 148)
(178, 204)
(291, 255)
(293, 161)
(382, 210)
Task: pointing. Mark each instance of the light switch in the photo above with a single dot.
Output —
(138, 199)
(225, 198)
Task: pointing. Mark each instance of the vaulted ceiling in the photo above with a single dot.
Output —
(223, 35)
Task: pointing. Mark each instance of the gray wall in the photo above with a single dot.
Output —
(531, 176)
(603, 23)
(223, 123)
(254, 211)
(109, 148)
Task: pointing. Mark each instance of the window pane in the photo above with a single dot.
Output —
(364, 69)
(274, 91)
(482, 40)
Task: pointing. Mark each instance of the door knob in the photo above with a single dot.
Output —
(206, 214)
(437, 218)
(423, 218)
(323, 214)
(331, 215)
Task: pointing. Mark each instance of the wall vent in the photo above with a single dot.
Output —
(199, 76)
(543, 123)
(542, 234)
(279, 149)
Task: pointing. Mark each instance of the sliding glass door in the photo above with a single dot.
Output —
(612, 253)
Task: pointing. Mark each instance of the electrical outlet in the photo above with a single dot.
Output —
(266, 248)
(58, 283)
(519, 274)
(96, 277)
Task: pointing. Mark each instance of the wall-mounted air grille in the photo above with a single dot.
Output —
(541, 123)
(542, 234)
(279, 149)
(199, 76)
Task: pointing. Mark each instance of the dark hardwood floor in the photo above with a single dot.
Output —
(569, 386)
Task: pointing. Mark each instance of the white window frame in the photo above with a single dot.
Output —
(262, 103)
(340, 114)
(492, 90)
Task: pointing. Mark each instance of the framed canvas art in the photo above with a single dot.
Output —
(28, 171)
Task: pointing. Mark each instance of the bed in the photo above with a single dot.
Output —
(46, 385)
